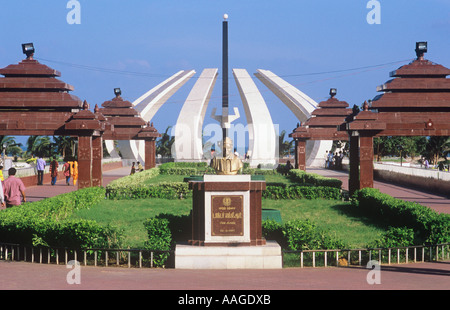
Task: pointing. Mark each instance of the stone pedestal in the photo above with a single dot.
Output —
(267, 256)
(226, 226)
(226, 210)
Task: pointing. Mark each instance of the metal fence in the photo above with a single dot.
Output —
(138, 258)
(142, 258)
(360, 257)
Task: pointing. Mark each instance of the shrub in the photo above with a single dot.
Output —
(165, 190)
(159, 239)
(299, 235)
(428, 225)
(394, 237)
(283, 191)
(45, 222)
(185, 168)
(304, 177)
(130, 181)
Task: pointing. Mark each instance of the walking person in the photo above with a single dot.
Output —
(75, 172)
(13, 188)
(2, 197)
(54, 170)
(66, 170)
(133, 169)
(40, 166)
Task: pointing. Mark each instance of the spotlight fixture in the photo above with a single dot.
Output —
(28, 50)
(333, 92)
(117, 92)
(421, 48)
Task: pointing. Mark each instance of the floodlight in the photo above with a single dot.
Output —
(117, 91)
(333, 92)
(28, 49)
(421, 48)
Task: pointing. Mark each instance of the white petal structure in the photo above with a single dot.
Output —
(188, 130)
(302, 106)
(263, 139)
(147, 105)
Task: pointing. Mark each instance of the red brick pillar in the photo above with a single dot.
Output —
(97, 156)
(365, 160)
(150, 153)
(300, 154)
(84, 162)
(353, 180)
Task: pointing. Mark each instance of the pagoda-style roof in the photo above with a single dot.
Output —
(415, 103)
(31, 85)
(34, 102)
(127, 123)
(323, 123)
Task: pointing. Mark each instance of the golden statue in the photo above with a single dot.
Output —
(229, 165)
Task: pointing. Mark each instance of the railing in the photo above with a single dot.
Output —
(359, 257)
(139, 258)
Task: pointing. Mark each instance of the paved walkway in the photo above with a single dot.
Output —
(414, 276)
(437, 202)
(423, 276)
(35, 193)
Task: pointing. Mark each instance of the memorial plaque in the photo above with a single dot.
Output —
(227, 215)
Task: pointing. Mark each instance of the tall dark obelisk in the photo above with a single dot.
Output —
(224, 81)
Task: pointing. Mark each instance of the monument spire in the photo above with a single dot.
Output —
(225, 119)
(224, 80)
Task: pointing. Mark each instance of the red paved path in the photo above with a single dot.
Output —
(437, 202)
(425, 276)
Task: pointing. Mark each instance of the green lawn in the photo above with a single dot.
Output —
(335, 216)
(129, 215)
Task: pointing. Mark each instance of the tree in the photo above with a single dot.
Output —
(11, 147)
(164, 144)
(284, 147)
(40, 145)
(436, 148)
(65, 145)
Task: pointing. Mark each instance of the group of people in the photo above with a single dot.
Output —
(70, 170)
(12, 189)
(334, 160)
(138, 169)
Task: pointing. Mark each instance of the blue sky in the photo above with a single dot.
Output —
(292, 38)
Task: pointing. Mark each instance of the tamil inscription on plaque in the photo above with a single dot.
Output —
(227, 215)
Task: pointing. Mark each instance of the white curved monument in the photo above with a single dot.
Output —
(188, 130)
(263, 140)
(302, 106)
(147, 105)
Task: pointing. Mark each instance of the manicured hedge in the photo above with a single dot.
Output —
(46, 222)
(165, 190)
(311, 186)
(185, 168)
(131, 181)
(284, 191)
(427, 224)
(314, 179)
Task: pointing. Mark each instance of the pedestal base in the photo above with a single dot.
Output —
(229, 257)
